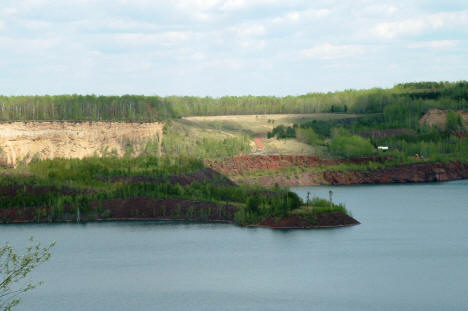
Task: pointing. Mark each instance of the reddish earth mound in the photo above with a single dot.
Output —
(419, 172)
(323, 220)
(241, 164)
(424, 172)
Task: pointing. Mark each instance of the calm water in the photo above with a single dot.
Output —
(410, 253)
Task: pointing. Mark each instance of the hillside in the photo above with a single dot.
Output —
(24, 141)
(409, 124)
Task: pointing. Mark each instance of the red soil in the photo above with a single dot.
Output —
(420, 172)
(259, 142)
(248, 163)
(324, 220)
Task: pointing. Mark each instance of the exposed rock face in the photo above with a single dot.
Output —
(23, 141)
(268, 171)
(438, 118)
(424, 172)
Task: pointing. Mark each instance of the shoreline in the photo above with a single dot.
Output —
(179, 221)
(171, 209)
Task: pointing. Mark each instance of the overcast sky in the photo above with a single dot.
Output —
(233, 47)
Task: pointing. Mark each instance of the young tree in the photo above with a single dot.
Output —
(14, 268)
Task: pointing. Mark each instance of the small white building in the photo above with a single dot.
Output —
(383, 148)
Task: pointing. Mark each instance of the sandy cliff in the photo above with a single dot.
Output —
(23, 141)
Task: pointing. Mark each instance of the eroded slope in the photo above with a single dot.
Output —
(23, 141)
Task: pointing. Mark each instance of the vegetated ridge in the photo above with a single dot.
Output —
(152, 188)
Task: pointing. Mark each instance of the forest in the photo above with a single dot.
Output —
(362, 136)
(412, 97)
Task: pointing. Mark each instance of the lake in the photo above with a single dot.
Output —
(409, 253)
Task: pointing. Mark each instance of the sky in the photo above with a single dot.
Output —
(230, 47)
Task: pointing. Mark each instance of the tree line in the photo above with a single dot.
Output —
(451, 95)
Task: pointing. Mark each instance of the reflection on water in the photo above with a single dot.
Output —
(409, 253)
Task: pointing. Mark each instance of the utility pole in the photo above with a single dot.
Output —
(78, 215)
(331, 198)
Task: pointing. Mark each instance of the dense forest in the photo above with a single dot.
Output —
(415, 97)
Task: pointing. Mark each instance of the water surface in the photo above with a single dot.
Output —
(409, 253)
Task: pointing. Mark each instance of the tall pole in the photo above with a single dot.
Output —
(331, 198)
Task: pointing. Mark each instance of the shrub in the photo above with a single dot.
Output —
(345, 144)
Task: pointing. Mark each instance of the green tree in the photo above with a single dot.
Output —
(345, 144)
(454, 121)
(15, 267)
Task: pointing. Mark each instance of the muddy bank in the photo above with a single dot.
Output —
(269, 171)
(145, 208)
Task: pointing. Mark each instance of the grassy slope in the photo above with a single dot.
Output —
(221, 127)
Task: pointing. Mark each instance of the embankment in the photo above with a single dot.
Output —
(309, 170)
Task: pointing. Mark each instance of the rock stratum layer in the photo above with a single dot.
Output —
(276, 170)
(24, 141)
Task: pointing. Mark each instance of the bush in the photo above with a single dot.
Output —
(347, 145)
(308, 136)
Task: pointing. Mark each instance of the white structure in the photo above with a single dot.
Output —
(383, 148)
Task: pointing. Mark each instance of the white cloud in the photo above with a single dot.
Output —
(26, 46)
(380, 9)
(103, 40)
(248, 30)
(296, 16)
(168, 38)
(440, 44)
(115, 24)
(328, 51)
(234, 5)
(229, 63)
(253, 44)
(418, 25)
(35, 24)
(9, 11)
(244, 4)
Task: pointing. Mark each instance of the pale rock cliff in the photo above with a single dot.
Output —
(24, 141)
